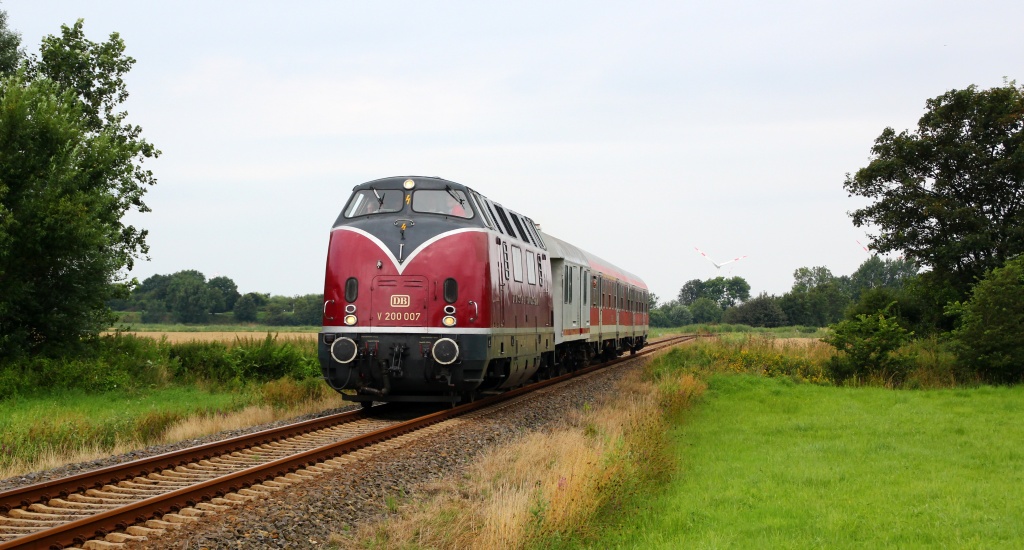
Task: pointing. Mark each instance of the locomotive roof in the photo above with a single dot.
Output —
(558, 248)
(427, 182)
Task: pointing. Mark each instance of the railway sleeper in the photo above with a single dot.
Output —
(6, 522)
(18, 513)
(37, 507)
(179, 518)
(101, 545)
(58, 503)
(144, 531)
(124, 537)
(98, 500)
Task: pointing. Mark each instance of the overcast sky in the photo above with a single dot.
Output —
(634, 130)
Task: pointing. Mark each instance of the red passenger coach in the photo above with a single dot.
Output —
(435, 293)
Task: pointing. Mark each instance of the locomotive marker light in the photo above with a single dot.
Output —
(445, 351)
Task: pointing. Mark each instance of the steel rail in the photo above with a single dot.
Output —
(59, 488)
(79, 531)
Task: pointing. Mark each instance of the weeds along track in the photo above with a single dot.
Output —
(140, 499)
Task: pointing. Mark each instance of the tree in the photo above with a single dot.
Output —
(246, 307)
(705, 310)
(70, 169)
(722, 291)
(988, 338)
(228, 290)
(10, 54)
(189, 298)
(762, 311)
(692, 289)
(876, 272)
(950, 196)
(817, 297)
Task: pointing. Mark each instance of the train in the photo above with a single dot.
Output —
(435, 293)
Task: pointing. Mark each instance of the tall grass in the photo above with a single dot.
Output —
(128, 392)
(523, 495)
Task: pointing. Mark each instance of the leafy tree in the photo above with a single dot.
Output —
(10, 55)
(722, 291)
(189, 297)
(246, 307)
(817, 298)
(762, 311)
(951, 194)
(705, 310)
(228, 290)
(991, 324)
(309, 309)
(70, 169)
(691, 291)
(876, 272)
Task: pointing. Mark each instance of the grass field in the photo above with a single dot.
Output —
(766, 463)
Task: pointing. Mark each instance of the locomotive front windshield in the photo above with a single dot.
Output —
(374, 201)
(449, 202)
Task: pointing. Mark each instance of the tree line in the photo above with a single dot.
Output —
(188, 297)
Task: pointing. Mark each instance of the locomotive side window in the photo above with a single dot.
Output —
(522, 232)
(517, 264)
(449, 202)
(478, 201)
(504, 220)
(536, 234)
(373, 201)
(490, 211)
(531, 274)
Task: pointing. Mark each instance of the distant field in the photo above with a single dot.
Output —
(227, 337)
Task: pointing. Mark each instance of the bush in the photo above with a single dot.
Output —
(866, 345)
(988, 338)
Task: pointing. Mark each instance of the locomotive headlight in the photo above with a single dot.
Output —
(350, 320)
(448, 321)
(408, 184)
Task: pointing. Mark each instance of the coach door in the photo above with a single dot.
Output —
(571, 303)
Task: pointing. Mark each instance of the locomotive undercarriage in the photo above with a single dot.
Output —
(403, 367)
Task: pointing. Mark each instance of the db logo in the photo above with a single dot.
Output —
(400, 300)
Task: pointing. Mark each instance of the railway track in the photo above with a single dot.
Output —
(143, 498)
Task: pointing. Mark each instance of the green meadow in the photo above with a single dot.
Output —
(770, 463)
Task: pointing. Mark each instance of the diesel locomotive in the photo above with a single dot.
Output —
(433, 292)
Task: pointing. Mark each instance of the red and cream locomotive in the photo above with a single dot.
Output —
(435, 293)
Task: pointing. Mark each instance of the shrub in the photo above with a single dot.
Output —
(988, 338)
(866, 345)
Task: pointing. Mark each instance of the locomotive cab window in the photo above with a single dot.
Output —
(374, 201)
(448, 202)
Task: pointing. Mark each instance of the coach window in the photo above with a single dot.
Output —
(531, 274)
(517, 264)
